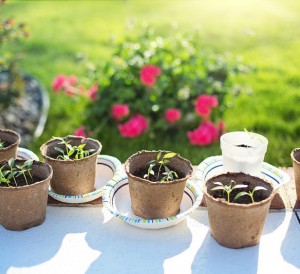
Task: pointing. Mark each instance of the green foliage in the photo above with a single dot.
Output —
(253, 135)
(187, 71)
(72, 152)
(265, 35)
(250, 193)
(10, 171)
(161, 160)
(2, 144)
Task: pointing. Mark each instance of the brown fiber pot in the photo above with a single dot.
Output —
(295, 155)
(237, 225)
(155, 200)
(13, 138)
(72, 177)
(25, 206)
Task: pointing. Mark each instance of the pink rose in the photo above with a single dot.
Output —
(148, 75)
(134, 127)
(119, 111)
(172, 115)
(72, 80)
(92, 94)
(204, 135)
(80, 131)
(58, 82)
(204, 103)
(65, 82)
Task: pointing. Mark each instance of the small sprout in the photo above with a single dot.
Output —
(250, 193)
(1, 144)
(12, 171)
(72, 152)
(254, 135)
(228, 188)
(161, 161)
(26, 167)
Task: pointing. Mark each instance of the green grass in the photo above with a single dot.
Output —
(266, 34)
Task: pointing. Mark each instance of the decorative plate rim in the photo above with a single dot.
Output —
(200, 175)
(107, 203)
(27, 152)
(98, 192)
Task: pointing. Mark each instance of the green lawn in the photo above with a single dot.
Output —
(266, 34)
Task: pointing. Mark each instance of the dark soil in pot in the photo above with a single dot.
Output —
(243, 145)
(240, 178)
(11, 141)
(153, 178)
(23, 207)
(20, 180)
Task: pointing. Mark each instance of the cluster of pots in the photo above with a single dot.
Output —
(23, 207)
(233, 225)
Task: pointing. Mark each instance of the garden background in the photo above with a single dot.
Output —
(263, 35)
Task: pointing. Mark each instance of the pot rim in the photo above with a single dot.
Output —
(43, 149)
(148, 182)
(12, 133)
(14, 188)
(236, 205)
(293, 157)
(230, 147)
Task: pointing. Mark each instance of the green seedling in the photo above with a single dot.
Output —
(250, 193)
(1, 144)
(228, 188)
(72, 152)
(254, 136)
(26, 167)
(3, 179)
(12, 171)
(162, 161)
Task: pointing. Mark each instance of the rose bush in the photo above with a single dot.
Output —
(152, 85)
(11, 78)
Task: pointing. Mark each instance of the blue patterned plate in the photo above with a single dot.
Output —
(213, 166)
(108, 170)
(116, 199)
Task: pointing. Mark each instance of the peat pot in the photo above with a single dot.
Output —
(23, 207)
(11, 141)
(156, 200)
(295, 155)
(237, 225)
(72, 177)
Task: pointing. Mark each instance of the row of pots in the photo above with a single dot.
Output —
(153, 200)
(23, 206)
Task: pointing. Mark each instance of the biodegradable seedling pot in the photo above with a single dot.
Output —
(72, 177)
(156, 200)
(237, 225)
(23, 207)
(295, 155)
(11, 141)
(243, 152)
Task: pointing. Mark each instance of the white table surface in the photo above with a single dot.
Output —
(90, 240)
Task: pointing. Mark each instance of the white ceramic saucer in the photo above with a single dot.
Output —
(116, 199)
(108, 171)
(25, 154)
(213, 166)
